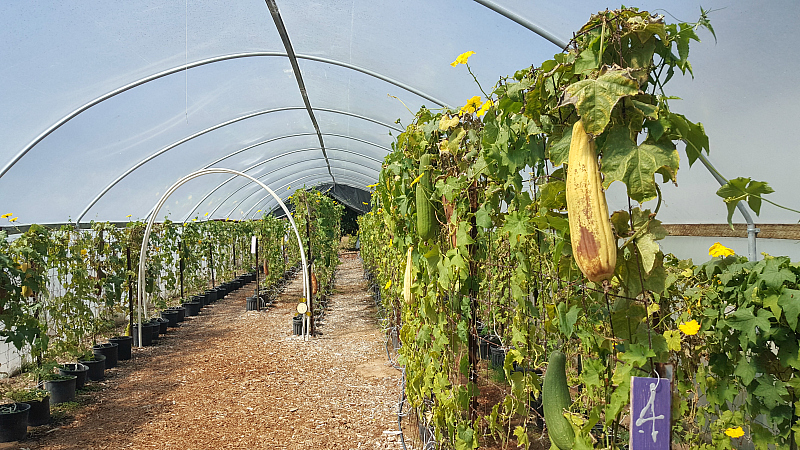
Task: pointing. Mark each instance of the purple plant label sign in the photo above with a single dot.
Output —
(650, 413)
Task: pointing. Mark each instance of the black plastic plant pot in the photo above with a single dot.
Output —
(156, 330)
(110, 350)
(211, 296)
(39, 414)
(181, 312)
(14, 421)
(172, 317)
(61, 390)
(201, 299)
(97, 368)
(163, 324)
(192, 308)
(297, 325)
(498, 357)
(123, 346)
(147, 334)
(78, 370)
(221, 293)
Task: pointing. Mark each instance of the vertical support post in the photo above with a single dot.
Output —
(130, 290)
(211, 263)
(255, 250)
(310, 299)
(472, 343)
(233, 245)
(180, 247)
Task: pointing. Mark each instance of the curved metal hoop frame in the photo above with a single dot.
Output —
(149, 228)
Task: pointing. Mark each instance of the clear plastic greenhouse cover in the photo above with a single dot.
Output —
(103, 105)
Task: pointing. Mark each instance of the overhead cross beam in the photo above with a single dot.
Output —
(276, 17)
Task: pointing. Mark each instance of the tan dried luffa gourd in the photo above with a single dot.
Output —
(593, 244)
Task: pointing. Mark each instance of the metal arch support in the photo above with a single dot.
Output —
(366, 177)
(261, 177)
(524, 22)
(173, 145)
(170, 191)
(182, 141)
(752, 230)
(249, 147)
(348, 181)
(315, 177)
(273, 171)
(318, 178)
(203, 62)
(275, 157)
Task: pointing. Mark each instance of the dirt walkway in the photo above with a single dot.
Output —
(239, 380)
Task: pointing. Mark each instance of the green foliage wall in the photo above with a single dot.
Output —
(502, 263)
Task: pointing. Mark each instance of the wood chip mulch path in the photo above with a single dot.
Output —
(240, 380)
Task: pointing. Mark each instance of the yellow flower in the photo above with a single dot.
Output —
(462, 58)
(388, 285)
(288, 187)
(735, 432)
(258, 211)
(372, 185)
(472, 104)
(689, 328)
(14, 219)
(83, 252)
(5, 216)
(687, 273)
(719, 250)
(485, 107)
(206, 214)
(129, 215)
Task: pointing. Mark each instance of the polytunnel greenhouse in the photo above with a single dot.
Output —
(421, 225)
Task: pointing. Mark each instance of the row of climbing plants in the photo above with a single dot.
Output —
(61, 289)
(470, 236)
(318, 219)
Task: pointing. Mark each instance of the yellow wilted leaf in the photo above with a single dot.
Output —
(445, 123)
(673, 338)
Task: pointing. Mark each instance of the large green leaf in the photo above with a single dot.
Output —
(636, 165)
(745, 321)
(595, 98)
(558, 147)
(742, 188)
(790, 303)
(693, 135)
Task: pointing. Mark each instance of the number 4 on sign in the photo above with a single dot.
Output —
(650, 413)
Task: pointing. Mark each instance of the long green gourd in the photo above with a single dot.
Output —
(426, 219)
(555, 399)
